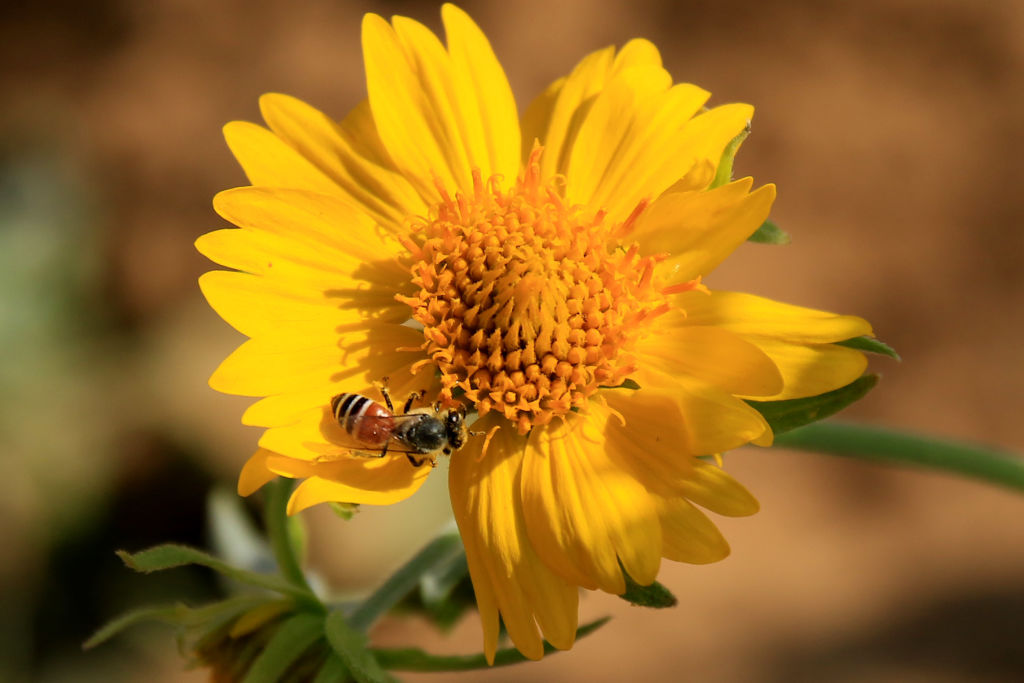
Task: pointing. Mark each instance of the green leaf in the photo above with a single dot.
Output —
(724, 173)
(445, 590)
(179, 615)
(286, 534)
(345, 510)
(167, 614)
(350, 644)
(784, 416)
(870, 345)
(903, 448)
(333, 671)
(770, 233)
(447, 612)
(445, 593)
(438, 581)
(654, 595)
(169, 556)
(289, 642)
(405, 580)
(414, 659)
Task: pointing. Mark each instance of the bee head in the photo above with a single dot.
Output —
(455, 427)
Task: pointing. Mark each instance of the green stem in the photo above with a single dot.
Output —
(403, 581)
(279, 530)
(887, 445)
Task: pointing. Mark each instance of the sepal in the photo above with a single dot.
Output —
(783, 416)
(723, 174)
(770, 233)
(654, 595)
(870, 345)
(345, 511)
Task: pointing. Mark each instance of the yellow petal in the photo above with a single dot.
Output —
(711, 487)
(653, 439)
(628, 148)
(555, 117)
(348, 477)
(324, 225)
(535, 124)
(358, 479)
(753, 315)
(255, 473)
(488, 109)
(608, 122)
(363, 480)
(810, 369)
(268, 161)
(367, 289)
(265, 366)
(706, 135)
(585, 511)
(714, 420)
(795, 338)
(697, 178)
(435, 91)
(258, 306)
(715, 356)
(508, 576)
(421, 140)
(285, 409)
(637, 52)
(314, 436)
(486, 597)
(428, 121)
(350, 154)
(281, 410)
(689, 536)
(698, 230)
(309, 246)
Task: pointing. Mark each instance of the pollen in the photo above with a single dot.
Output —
(528, 305)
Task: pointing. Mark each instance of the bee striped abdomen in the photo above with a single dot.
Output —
(363, 419)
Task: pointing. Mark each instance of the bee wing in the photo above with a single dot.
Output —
(343, 443)
(408, 416)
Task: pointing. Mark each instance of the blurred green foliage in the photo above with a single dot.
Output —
(70, 437)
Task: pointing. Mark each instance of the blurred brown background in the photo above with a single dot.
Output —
(893, 130)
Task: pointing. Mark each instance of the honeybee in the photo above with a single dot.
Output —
(421, 433)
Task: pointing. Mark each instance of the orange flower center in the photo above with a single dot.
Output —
(528, 305)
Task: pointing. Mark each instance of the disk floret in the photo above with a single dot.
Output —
(527, 305)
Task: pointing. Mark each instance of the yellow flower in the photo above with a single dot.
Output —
(527, 268)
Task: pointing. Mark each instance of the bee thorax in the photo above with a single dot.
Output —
(425, 435)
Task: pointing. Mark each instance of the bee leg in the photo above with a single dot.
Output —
(414, 461)
(413, 397)
(384, 451)
(386, 395)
